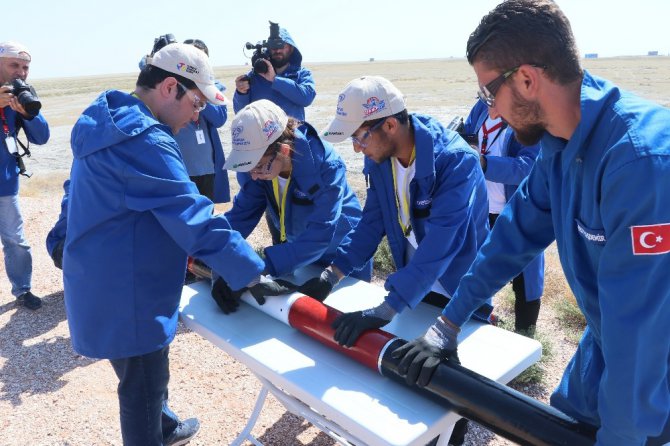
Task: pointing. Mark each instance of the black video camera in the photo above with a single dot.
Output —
(161, 41)
(27, 96)
(262, 49)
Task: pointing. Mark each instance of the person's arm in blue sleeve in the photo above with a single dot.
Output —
(248, 206)
(36, 129)
(511, 170)
(161, 185)
(522, 231)
(472, 122)
(365, 238)
(450, 216)
(58, 232)
(634, 300)
(311, 243)
(300, 91)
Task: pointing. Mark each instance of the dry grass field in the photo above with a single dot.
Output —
(49, 395)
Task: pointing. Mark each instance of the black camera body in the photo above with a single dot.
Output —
(161, 41)
(27, 96)
(262, 49)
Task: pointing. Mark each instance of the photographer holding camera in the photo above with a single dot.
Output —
(19, 109)
(277, 75)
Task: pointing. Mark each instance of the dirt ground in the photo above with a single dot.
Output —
(49, 395)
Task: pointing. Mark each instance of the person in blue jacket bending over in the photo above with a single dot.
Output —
(287, 170)
(286, 83)
(133, 217)
(506, 163)
(598, 188)
(15, 64)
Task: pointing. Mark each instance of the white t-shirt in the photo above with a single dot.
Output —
(404, 176)
(494, 145)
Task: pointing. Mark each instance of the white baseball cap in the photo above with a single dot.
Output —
(15, 50)
(363, 99)
(191, 63)
(254, 128)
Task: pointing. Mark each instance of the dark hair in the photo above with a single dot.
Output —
(150, 76)
(287, 137)
(199, 44)
(520, 32)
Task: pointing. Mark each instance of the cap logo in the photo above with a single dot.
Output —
(372, 106)
(238, 140)
(340, 98)
(270, 128)
(181, 66)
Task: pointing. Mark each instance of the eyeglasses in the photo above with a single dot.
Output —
(368, 132)
(260, 170)
(198, 104)
(487, 93)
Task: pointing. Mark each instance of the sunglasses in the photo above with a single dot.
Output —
(487, 93)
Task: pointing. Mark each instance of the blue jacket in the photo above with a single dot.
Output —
(59, 230)
(215, 116)
(133, 217)
(588, 194)
(292, 91)
(510, 169)
(37, 132)
(321, 208)
(449, 216)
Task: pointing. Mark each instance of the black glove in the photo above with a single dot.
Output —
(57, 254)
(227, 299)
(267, 287)
(420, 357)
(320, 287)
(349, 326)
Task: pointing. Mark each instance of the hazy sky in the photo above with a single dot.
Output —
(77, 37)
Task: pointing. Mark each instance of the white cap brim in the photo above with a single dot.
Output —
(213, 94)
(243, 160)
(338, 130)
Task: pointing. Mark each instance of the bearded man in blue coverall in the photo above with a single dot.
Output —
(133, 217)
(15, 64)
(599, 189)
(286, 83)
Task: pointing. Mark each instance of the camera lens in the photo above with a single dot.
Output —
(260, 66)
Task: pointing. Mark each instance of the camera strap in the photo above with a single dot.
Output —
(14, 140)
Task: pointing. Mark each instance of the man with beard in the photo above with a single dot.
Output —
(286, 82)
(598, 189)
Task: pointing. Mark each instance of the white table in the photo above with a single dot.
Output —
(348, 401)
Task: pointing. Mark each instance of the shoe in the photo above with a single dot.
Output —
(183, 433)
(29, 300)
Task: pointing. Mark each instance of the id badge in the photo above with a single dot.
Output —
(11, 145)
(200, 136)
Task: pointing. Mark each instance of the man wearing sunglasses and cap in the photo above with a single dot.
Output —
(134, 216)
(599, 189)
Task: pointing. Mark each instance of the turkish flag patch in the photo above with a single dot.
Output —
(650, 239)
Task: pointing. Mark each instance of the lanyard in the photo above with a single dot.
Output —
(485, 136)
(406, 229)
(5, 125)
(281, 206)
